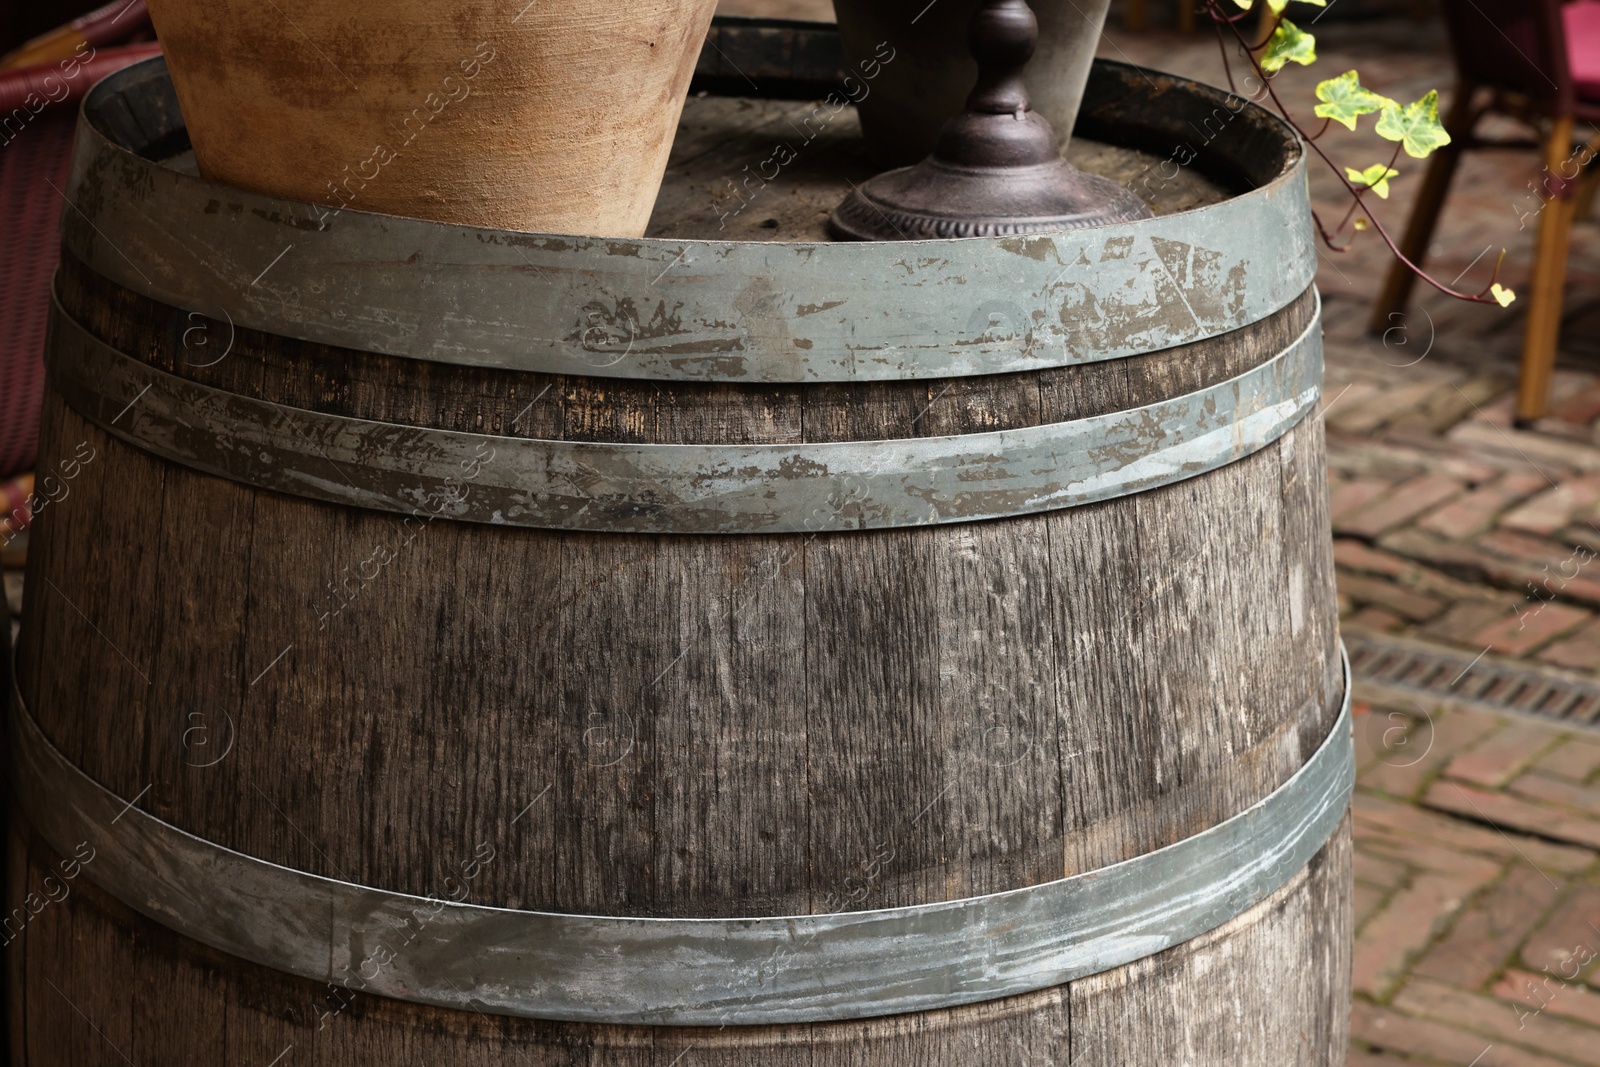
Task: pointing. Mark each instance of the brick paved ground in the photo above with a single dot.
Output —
(1450, 525)
(1477, 835)
(1477, 891)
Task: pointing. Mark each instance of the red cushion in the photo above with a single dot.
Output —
(1583, 46)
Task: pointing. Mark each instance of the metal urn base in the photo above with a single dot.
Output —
(936, 199)
(997, 168)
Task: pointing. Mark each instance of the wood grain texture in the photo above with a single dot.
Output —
(341, 381)
(345, 694)
(13, 954)
(553, 119)
(772, 170)
(1188, 1005)
(1184, 1005)
(672, 725)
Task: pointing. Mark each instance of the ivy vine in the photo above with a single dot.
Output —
(1414, 128)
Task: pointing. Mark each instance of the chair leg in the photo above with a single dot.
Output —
(1133, 15)
(1543, 332)
(1583, 200)
(1397, 284)
(1186, 16)
(1588, 181)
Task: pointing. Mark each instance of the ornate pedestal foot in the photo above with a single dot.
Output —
(997, 167)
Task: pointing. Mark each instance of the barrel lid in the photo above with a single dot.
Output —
(707, 310)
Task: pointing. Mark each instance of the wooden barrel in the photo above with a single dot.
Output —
(726, 647)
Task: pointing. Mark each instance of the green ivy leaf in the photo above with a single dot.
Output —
(1246, 4)
(1375, 177)
(1502, 295)
(1278, 6)
(1416, 126)
(1288, 44)
(1344, 99)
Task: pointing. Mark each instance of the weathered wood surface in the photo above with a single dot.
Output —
(728, 147)
(702, 726)
(585, 639)
(764, 310)
(127, 990)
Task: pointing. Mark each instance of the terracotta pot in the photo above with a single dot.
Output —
(932, 72)
(551, 115)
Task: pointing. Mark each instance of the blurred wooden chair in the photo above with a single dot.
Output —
(1136, 15)
(40, 86)
(1537, 61)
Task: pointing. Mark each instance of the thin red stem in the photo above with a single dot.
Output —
(1222, 46)
(1327, 239)
(1394, 248)
(1277, 20)
(1218, 16)
(1354, 204)
(1360, 200)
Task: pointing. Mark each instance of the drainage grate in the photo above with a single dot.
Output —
(1424, 670)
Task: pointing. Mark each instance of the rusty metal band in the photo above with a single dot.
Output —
(675, 309)
(686, 972)
(688, 488)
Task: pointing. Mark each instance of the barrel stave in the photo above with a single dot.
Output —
(177, 1001)
(854, 677)
(675, 725)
